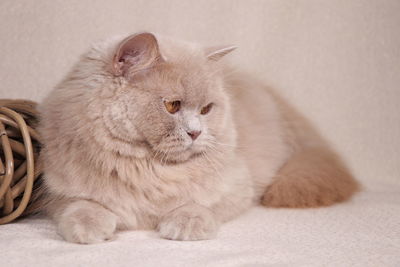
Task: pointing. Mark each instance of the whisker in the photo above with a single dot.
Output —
(222, 144)
(165, 157)
(214, 150)
(156, 154)
(212, 165)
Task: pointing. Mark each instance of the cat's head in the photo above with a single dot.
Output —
(173, 101)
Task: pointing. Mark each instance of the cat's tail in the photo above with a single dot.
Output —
(312, 177)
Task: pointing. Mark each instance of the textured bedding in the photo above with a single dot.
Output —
(363, 232)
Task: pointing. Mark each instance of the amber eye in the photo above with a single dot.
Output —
(173, 106)
(206, 109)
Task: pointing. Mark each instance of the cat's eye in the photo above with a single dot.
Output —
(172, 106)
(206, 109)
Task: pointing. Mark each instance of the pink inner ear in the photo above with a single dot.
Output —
(136, 52)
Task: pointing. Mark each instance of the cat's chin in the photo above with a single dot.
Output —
(178, 157)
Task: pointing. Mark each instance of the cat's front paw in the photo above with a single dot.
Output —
(189, 222)
(87, 225)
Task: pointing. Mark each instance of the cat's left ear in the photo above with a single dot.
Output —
(136, 52)
(215, 53)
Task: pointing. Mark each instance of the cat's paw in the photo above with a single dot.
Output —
(87, 225)
(189, 222)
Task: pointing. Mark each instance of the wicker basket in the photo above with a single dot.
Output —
(19, 165)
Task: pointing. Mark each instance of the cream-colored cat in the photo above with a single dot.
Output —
(149, 133)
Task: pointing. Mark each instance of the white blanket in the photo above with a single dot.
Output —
(362, 232)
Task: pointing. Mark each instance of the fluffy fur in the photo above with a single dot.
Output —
(116, 159)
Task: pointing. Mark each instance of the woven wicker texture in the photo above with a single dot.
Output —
(19, 165)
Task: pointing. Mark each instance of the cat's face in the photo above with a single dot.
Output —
(178, 109)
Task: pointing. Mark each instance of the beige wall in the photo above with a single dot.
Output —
(337, 61)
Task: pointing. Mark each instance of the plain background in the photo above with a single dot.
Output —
(338, 62)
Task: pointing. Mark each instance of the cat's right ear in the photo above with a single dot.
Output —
(136, 52)
(215, 53)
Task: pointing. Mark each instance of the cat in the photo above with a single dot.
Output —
(147, 133)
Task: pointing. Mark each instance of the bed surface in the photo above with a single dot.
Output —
(362, 232)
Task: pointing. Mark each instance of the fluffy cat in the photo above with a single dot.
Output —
(150, 133)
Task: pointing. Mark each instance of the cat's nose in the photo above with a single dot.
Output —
(194, 134)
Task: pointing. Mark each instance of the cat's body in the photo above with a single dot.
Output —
(117, 158)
